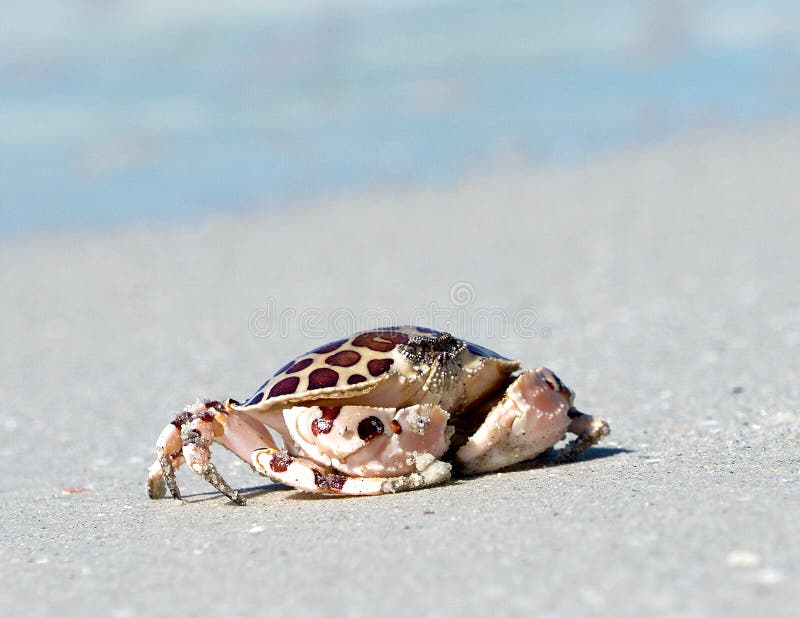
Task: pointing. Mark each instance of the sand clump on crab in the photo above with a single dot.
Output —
(382, 411)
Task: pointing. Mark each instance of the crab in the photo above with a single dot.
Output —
(385, 410)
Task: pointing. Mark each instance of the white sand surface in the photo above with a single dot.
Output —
(666, 289)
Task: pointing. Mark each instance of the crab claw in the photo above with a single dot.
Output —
(588, 429)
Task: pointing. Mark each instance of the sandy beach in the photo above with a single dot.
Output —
(661, 284)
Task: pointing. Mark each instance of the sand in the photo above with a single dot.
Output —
(661, 284)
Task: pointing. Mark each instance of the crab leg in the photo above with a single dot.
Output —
(589, 431)
(198, 455)
(189, 438)
(161, 475)
(305, 475)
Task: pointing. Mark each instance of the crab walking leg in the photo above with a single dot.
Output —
(199, 458)
(189, 438)
(169, 458)
(530, 418)
(305, 475)
(589, 430)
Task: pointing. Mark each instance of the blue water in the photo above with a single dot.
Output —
(121, 112)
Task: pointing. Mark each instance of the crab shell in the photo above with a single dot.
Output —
(390, 367)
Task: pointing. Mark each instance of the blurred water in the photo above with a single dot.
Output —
(118, 111)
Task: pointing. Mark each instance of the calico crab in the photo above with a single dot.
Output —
(382, 411)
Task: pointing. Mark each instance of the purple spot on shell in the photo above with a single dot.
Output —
(328, 347)
(255, 399)
(345, 358)
(322, 378)
(300, 365)
(356, 378)
(284, 387)
(380, 340)
(379, 366)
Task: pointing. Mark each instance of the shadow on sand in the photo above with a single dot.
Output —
(247, 492)
(545, 460)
